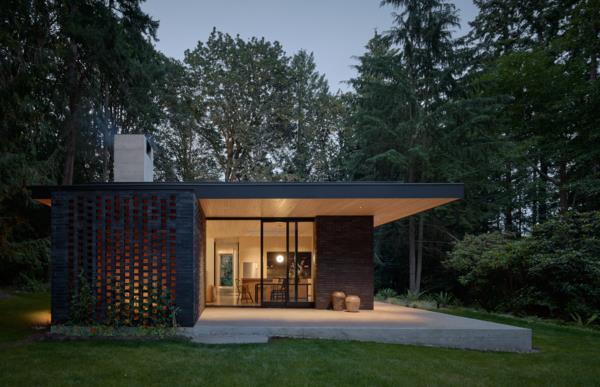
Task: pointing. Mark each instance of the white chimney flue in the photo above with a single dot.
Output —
(133, 158)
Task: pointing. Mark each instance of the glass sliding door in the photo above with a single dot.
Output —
(254, 262)
(287, 263)
(302, 263)
(232, 276)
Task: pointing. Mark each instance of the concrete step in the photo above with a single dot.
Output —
(230, 339)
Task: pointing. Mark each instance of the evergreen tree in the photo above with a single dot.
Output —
(315, 123)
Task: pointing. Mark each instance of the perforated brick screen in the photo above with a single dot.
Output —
(138, 249)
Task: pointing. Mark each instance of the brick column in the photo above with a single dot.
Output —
(344, 250)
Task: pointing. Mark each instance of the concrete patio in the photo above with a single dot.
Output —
(386, 324)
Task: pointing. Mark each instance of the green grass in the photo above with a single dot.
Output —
(20, 312)
(567, 356)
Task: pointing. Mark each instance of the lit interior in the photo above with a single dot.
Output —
(233, 262)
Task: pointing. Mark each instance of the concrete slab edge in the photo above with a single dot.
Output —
(517, 340)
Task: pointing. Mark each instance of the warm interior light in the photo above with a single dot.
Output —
(279, 258)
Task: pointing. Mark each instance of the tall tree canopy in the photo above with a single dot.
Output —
(241, 88)
(261, 114)
(72, 73)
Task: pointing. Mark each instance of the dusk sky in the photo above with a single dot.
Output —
(334, 30)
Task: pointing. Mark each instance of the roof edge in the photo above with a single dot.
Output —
(276, 190)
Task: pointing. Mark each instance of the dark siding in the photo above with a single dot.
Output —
(59, 279)
(199, 252)
(186, 259)
(344, 248)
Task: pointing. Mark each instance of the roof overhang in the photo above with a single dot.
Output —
(385, 201)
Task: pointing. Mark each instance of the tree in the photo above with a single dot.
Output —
(241, 94)
(184, 155)
(315, 122)
(538, 60)
(378, 111)
(72, 73)
(90, 49)
(423, 32)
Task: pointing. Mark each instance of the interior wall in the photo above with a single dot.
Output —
(250, 250)
(210, 262)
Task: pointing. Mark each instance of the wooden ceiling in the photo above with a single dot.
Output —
(251, 228)
(383, 210)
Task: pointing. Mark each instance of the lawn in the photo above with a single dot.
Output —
(567, 356)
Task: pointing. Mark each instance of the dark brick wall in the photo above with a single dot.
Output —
(145, 241)
(60, 270)
(344, 249)
(187, 259)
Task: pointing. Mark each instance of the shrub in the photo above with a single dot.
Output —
(125, 310)
(81, 309)
(443, 299)
(554, 272)
(581, 321)
(387, 293)
(490, 267)
(25, 264)
(158, 311)
(411, 298)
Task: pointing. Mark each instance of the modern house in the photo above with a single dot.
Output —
(219, 244)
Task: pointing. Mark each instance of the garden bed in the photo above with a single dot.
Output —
(73, 332)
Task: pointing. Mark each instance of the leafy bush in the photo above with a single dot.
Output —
(387, 293)
(583, 321)
(126, 310)
(24, 224)
(157, 311)
(25, 264)
(490, 268)
(554, 272)
(443, 299)
(82, 303)
(413, 296)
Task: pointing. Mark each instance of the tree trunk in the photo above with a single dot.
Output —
(71, 132)
(543, 200)
(109, 135)
(105, 159)
(508, 216)
(229, 160)
(71, 123)
(109, 139)
(594, 66)
(419, 254)
(563, 193)
(71, 148)
(411, 255)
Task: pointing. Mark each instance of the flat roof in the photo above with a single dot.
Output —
(354, 189)
(385, 201)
